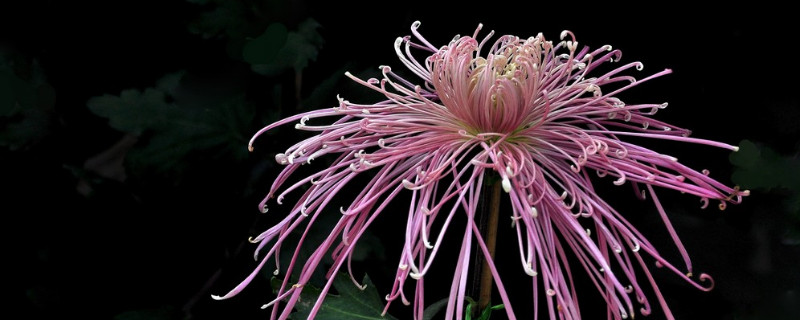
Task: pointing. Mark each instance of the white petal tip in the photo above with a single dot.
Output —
(531, 272)
(216, 297)
(506, 185)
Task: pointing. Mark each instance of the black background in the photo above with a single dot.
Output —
(159, 244)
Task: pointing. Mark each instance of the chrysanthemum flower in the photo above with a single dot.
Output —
(525, 109)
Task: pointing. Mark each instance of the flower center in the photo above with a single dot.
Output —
(499, 93)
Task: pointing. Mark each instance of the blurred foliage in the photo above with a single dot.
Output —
(26, 101)
(172, 130)
(350, 302)
(761, 168)
(432, 310)
(161, 313)
(295, 49)
(256, 31)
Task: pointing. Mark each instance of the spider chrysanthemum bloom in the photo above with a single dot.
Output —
(524, 109)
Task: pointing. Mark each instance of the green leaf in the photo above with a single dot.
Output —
(226, 19)
(434, 309)
(26, 102)
(170, 131)
(133, 111)
(760, 167)
(350, 303)
(301, 46)
(265, 47)
(747, 156)
(486, 314)
(162, 313)
(11, 98)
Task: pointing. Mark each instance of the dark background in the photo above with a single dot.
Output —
(136, 204)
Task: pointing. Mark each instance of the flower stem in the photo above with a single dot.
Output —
(485, 295)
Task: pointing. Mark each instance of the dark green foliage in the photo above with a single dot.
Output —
(161, 313)
(264, 49)
(172, 130)
(349, 303)
(296, 51)
(26, 102)
(762, 169)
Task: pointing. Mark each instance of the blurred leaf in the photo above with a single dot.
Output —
(162, 313)
(170, 82)
(227, 18)
(15, 94)
(265, 47)
(350, 303)
(747, 156)
(301, 46)
(760, 167)
(323, 93)
(236, 21)
(170, 131)
(26, 102)
(133, 111)
(434, 309)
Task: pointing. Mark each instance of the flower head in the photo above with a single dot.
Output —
(525, 109)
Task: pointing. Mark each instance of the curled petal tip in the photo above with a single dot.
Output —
(216, 297)
(529, 270)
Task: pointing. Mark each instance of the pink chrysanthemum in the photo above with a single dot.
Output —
(525, 109)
